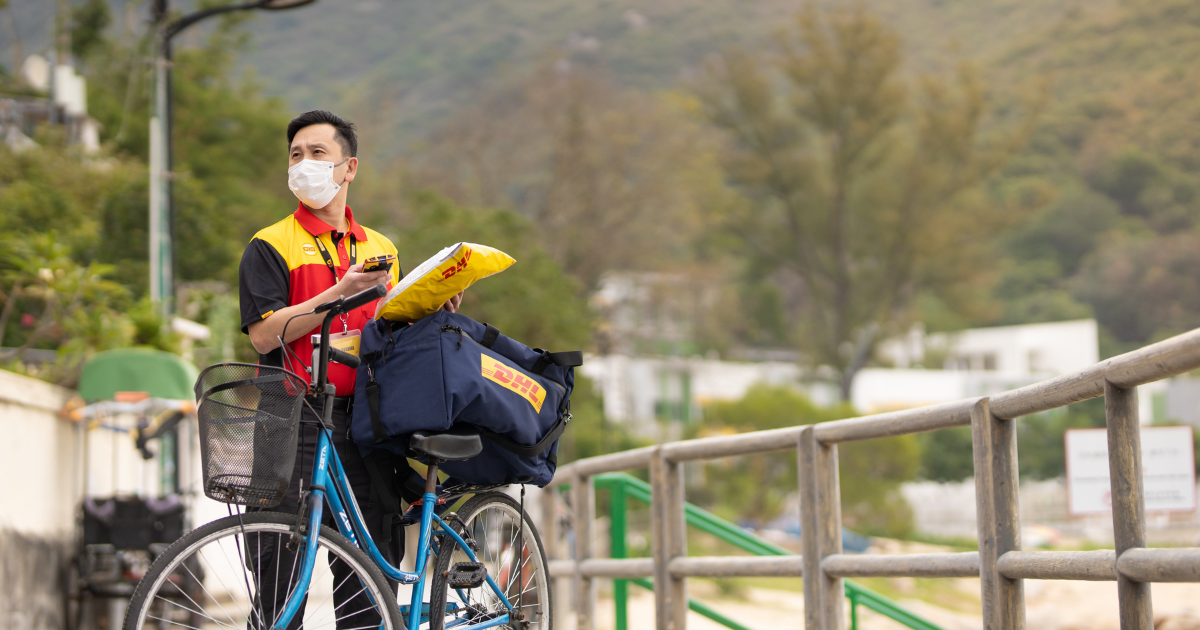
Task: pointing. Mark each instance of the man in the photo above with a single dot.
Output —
(311, 257)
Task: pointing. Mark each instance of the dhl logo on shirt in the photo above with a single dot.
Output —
(512, 380)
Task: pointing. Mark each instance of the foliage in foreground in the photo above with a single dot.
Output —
(50, 299)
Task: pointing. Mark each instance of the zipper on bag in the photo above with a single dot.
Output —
(463, 335)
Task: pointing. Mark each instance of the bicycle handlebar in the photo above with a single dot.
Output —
(345, 358)
(346, 304)
(324, 351)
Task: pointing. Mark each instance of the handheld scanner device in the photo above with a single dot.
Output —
(383, 262)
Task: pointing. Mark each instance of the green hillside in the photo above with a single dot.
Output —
(1115, 156)
(1113, 164)
(1119, 147)
(400, 65)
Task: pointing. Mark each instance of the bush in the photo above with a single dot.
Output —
(754, 488)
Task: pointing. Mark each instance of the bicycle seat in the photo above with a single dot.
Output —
(449, 447)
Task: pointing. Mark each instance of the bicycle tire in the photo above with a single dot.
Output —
(496, 537)
(223, 597)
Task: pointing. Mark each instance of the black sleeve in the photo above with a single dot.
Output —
(263, 282)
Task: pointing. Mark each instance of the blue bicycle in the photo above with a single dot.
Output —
(482, 566)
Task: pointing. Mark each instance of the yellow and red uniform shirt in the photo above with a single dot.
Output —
(282, 267)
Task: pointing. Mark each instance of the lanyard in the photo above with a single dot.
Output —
(329, 262)
(329, 259)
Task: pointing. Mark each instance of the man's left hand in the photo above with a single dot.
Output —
(453, 303)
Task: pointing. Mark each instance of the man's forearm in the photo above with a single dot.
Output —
(264, 335)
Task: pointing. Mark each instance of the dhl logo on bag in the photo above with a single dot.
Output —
(510, 379)
(456, 266)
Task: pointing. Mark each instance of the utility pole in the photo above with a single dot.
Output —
(161, 267)
(162, 203)
(63, 39)
(59, 57)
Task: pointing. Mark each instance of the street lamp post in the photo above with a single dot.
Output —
(162, 163)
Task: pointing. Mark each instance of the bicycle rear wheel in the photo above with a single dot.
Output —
(510, 549)
(215, 577)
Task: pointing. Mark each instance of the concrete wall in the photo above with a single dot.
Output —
(40, 469)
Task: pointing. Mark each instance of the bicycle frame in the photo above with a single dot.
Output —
(329, 485)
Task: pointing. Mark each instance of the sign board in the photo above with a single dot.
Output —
(1168, 470)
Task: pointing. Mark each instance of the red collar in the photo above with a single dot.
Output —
(316, 226)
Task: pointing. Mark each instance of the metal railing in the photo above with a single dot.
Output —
(622, 487)
(1000, 563)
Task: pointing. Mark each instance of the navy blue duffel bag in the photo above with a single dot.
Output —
(449, 371)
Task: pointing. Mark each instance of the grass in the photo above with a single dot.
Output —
(950, 594)
(954, 543)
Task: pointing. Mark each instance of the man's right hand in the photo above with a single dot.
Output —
(355, 281)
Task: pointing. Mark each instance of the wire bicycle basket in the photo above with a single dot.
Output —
(249, 416)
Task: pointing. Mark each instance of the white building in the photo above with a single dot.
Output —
(1039, 349)
(641, 391)
(973, 362)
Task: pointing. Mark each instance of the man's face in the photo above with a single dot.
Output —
(319, 142)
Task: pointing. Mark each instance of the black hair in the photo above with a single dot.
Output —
(343, 129)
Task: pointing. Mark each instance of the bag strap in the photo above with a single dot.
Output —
(534, 450)
(570, 358)
(490, 334)
(385, 493)
(377, 429)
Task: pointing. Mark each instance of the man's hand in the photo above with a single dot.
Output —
(453, 303)
(355, 281)
(264, 335)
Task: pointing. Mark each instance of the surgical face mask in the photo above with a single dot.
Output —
(312, 182)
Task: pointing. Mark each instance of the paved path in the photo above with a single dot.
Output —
(1052, 605)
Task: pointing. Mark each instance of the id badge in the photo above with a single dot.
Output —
(348, 342)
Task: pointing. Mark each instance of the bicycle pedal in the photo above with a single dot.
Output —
(466, 575)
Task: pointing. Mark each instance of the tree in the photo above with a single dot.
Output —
(754, 488)
(1144, 289)
(230, 151)
(589, 433)
(82, 219)
(610, 178)
(863, 188)
(534, 301)
(88, 23)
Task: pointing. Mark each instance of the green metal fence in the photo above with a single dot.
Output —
(623, 487)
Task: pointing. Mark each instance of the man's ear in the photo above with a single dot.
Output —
(351, 169)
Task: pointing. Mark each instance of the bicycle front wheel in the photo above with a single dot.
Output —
(508, 546)
(237, 572)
